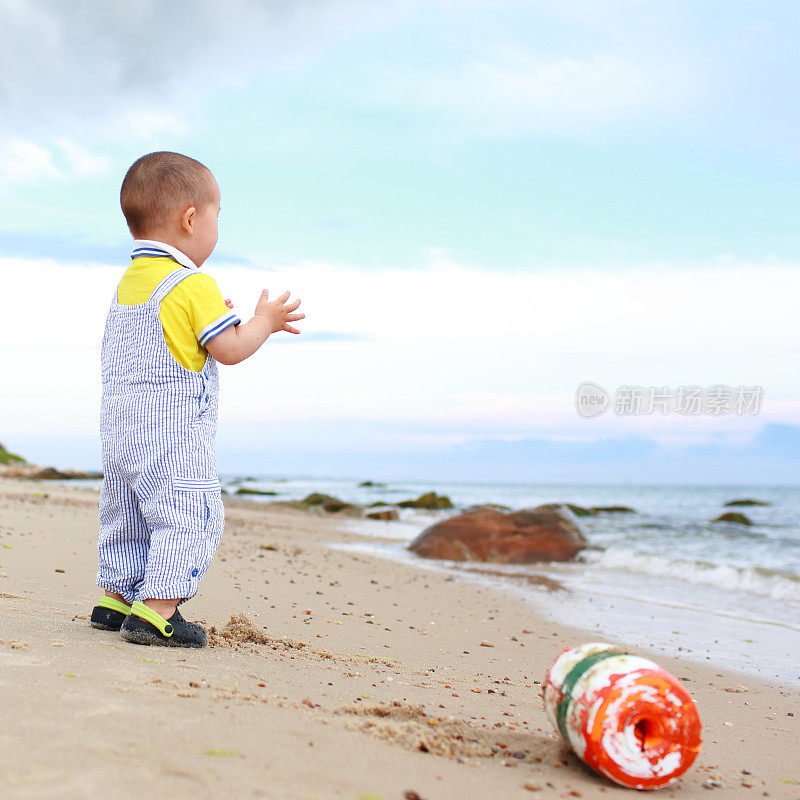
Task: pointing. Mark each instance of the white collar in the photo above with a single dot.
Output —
(151, 244)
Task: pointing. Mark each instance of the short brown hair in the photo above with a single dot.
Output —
(157, 184)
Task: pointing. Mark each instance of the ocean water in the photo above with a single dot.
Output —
(664, 578)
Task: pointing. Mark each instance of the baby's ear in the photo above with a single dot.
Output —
(187, 218)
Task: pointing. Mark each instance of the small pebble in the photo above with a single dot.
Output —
(486, 644)
(518, 754)
(713, 783)
(532, 787)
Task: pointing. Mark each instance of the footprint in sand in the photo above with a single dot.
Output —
(409, 726)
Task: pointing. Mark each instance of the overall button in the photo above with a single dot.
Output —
(194, 573)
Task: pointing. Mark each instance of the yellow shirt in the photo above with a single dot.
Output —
(192, 314)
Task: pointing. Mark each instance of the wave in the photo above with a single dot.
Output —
(771, 583)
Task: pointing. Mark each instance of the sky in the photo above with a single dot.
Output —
(482, 205)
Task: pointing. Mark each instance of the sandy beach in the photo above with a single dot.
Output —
(332, 674)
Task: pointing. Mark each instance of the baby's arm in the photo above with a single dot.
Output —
(238, 342)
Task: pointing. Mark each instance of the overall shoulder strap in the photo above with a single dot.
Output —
(168, 284)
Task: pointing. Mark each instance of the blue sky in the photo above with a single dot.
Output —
(530, 194)
(510, 134)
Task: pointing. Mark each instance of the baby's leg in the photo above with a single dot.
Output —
(185, 520)
(186, 525)
(124, 540)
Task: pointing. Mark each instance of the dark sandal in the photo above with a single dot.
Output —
(145, 626)
(109, 614)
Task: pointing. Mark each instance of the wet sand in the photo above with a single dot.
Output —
(332, 674)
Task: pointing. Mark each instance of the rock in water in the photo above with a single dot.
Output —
(747, 502)
(429, 500)
(545, 533)
(84, 475)
(495, 506)
(387, 514)
(580, 511)
(733, 516)
(612, 510)
(317, 499)
(50, 474)
(327, 502)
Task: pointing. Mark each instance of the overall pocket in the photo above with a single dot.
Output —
(198, 504)
(194, 498)
(196, 485)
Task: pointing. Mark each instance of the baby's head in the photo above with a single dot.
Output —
(174, 199)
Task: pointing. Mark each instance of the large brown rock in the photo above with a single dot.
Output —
(545, 533)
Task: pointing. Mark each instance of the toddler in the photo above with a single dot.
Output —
(161, 513)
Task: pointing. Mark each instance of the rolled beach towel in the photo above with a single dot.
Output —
(623, 715)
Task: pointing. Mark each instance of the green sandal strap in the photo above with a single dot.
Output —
(153, 617)
(115, 605)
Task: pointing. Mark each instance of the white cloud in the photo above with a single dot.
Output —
(23, 161)
(104, 73)
(140, 68)
(82, 161)
(601, 83)
(509, 89)
(517, 85)
(450, 347)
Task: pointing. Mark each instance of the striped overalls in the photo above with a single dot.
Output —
(161, 514)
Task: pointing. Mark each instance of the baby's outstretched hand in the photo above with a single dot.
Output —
(278, 312)
(229, 303)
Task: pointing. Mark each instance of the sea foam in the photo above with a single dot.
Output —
(774, 584)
